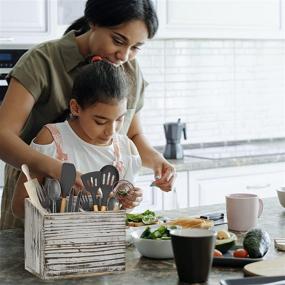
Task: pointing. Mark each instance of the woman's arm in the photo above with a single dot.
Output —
(14, 111)
(44, 137)
(164, 172)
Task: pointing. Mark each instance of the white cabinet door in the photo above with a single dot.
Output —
(221, 18)
(156, 199)
(152, 196)
(177, 198)
(67, 12)
(19, 17)
(211, 186)
(2, 164)
(35, 21)
(1, 179)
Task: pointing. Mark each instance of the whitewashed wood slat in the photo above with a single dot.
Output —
(70, 261)
(70, 234)
(81, 247)
(75, 241)
(101, 263)
(67, 245)
(56, 227)
(74, 216)
(86, 271)
(72, 254)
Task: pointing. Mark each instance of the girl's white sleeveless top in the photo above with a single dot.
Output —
(88, 157)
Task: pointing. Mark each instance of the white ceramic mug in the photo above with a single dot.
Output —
(243, 210)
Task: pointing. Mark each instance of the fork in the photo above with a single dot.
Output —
(84, 201)
(43, 197)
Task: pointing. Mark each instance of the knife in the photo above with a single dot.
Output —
(213, 216)
(217, 217)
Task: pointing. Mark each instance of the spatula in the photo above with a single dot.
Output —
(92, 182)
(110, 175)
(67, 180)
(31, 186)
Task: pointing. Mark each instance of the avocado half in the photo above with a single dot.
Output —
(223, 245)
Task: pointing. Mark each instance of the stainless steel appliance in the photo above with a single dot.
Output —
(9, 55)
(173, 132)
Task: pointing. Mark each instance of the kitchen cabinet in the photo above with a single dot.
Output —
(232, 19)
(1, 179)
(155, 199)
(35, 21)
(152, 196)
(179, 197)
(24, 21)
(211, 186)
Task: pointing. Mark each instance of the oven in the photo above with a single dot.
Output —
(9, 55)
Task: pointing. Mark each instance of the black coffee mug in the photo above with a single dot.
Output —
(193, 253)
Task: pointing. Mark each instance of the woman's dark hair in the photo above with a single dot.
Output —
(100, 82)
(108, 13)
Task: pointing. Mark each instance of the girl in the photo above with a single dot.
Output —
(90, 139)
(41, 82)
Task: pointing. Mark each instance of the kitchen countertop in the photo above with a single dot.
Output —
(210, 156)
(139, 270)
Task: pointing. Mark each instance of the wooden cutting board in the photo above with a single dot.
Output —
(271, 267)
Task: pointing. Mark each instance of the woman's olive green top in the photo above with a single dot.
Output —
(47, 71)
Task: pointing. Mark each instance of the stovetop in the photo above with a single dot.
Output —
(236, 151)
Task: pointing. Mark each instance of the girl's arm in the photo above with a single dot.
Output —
(164, 172)
(14, 111)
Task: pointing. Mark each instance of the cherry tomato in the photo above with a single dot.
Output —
(240, 252)
(217, 253)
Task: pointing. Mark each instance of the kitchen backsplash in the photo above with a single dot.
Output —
(225, 90)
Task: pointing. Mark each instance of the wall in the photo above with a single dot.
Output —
(223, 89)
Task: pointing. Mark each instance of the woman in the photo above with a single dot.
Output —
(40, 88)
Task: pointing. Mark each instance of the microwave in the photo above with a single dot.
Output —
(9, 55)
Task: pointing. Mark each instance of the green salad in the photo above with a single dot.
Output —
(162, 233)
(147, 217)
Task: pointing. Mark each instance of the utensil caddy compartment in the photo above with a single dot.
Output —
(78, 244)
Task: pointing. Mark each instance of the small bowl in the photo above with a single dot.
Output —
(157, 249)
(281, 196)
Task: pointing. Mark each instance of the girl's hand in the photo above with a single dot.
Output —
(133, 198)
(165, 174)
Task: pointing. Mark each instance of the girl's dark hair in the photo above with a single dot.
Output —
(108, 13)
(100, 82)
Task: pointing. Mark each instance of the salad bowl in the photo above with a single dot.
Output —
(153, 242)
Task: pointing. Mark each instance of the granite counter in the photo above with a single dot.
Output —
(210, 156)
(140, 271)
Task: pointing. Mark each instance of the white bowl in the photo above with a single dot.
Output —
(158, 249)
(281, 196)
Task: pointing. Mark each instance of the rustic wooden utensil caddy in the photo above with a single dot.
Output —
(68, 245)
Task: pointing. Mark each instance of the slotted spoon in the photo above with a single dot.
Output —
(92, 182)
(110, 175)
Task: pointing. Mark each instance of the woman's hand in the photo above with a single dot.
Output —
(164, 173)
(133, 198)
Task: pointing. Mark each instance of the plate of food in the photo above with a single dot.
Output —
(146, 218)
(255, 245)
(191, 222)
